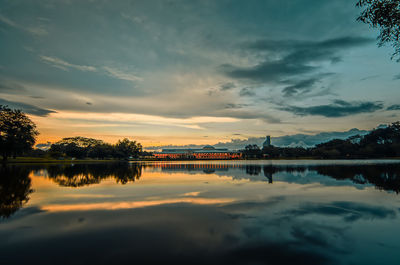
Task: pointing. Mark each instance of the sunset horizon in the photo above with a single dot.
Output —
(194, 72)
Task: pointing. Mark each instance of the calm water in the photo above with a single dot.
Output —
(262, 212)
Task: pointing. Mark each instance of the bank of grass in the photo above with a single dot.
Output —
(54, 160)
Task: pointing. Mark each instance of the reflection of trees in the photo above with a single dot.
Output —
(384, 176)
(253, 170)
(86, 174)
(15, 187)
(270, 170)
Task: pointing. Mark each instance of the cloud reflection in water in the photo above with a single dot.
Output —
(206, 214)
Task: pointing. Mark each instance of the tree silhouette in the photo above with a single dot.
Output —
(385, 15)
(17, 132)
(81, 147)
(127, 148)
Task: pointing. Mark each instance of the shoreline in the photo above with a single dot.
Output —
(32, 160)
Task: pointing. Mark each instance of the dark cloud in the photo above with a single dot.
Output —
(349, 211)
(89, 103)
(369, 77)
(234, 106)
(291, 59)
(339, 108)
(301, 86)
(11, 87)
(396, 77)
(246, 92)
(268, 71)
(245, 114)
(30, 109)
(311, 46)
(227, 86)
(394, 107)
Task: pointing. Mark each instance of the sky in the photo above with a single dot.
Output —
(178, 72)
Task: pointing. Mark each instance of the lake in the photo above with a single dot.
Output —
(206, 212)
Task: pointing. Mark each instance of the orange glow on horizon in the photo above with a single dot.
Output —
(149, 130)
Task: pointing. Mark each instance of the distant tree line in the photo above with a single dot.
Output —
(18, 136)
(379, 143)
(82, 147)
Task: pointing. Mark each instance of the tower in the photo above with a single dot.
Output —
(267, 141)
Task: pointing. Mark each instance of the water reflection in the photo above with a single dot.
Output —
(383, 176)
(15, 187)
(201, 213)
(86, 174)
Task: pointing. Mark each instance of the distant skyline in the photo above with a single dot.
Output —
(194, 72)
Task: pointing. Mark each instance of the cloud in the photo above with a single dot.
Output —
(59, 63)
(9, 86)
(246, 92)
(175, 52)
(369, 77)
(34, 30)
(339, 108)
(301, 86)
(394, 107)
(227, 86)
(8, 21)
(235, 106)
(239, 113)
(268, 71)
(309, 50)
(116, 73)
(110, 71)
(288, 61)
(396, 77)
(30, 109)
(117, 119)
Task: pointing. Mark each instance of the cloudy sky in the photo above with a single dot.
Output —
(180, 72)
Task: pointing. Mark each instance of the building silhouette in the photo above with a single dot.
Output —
(267, 141)
(207, 152)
